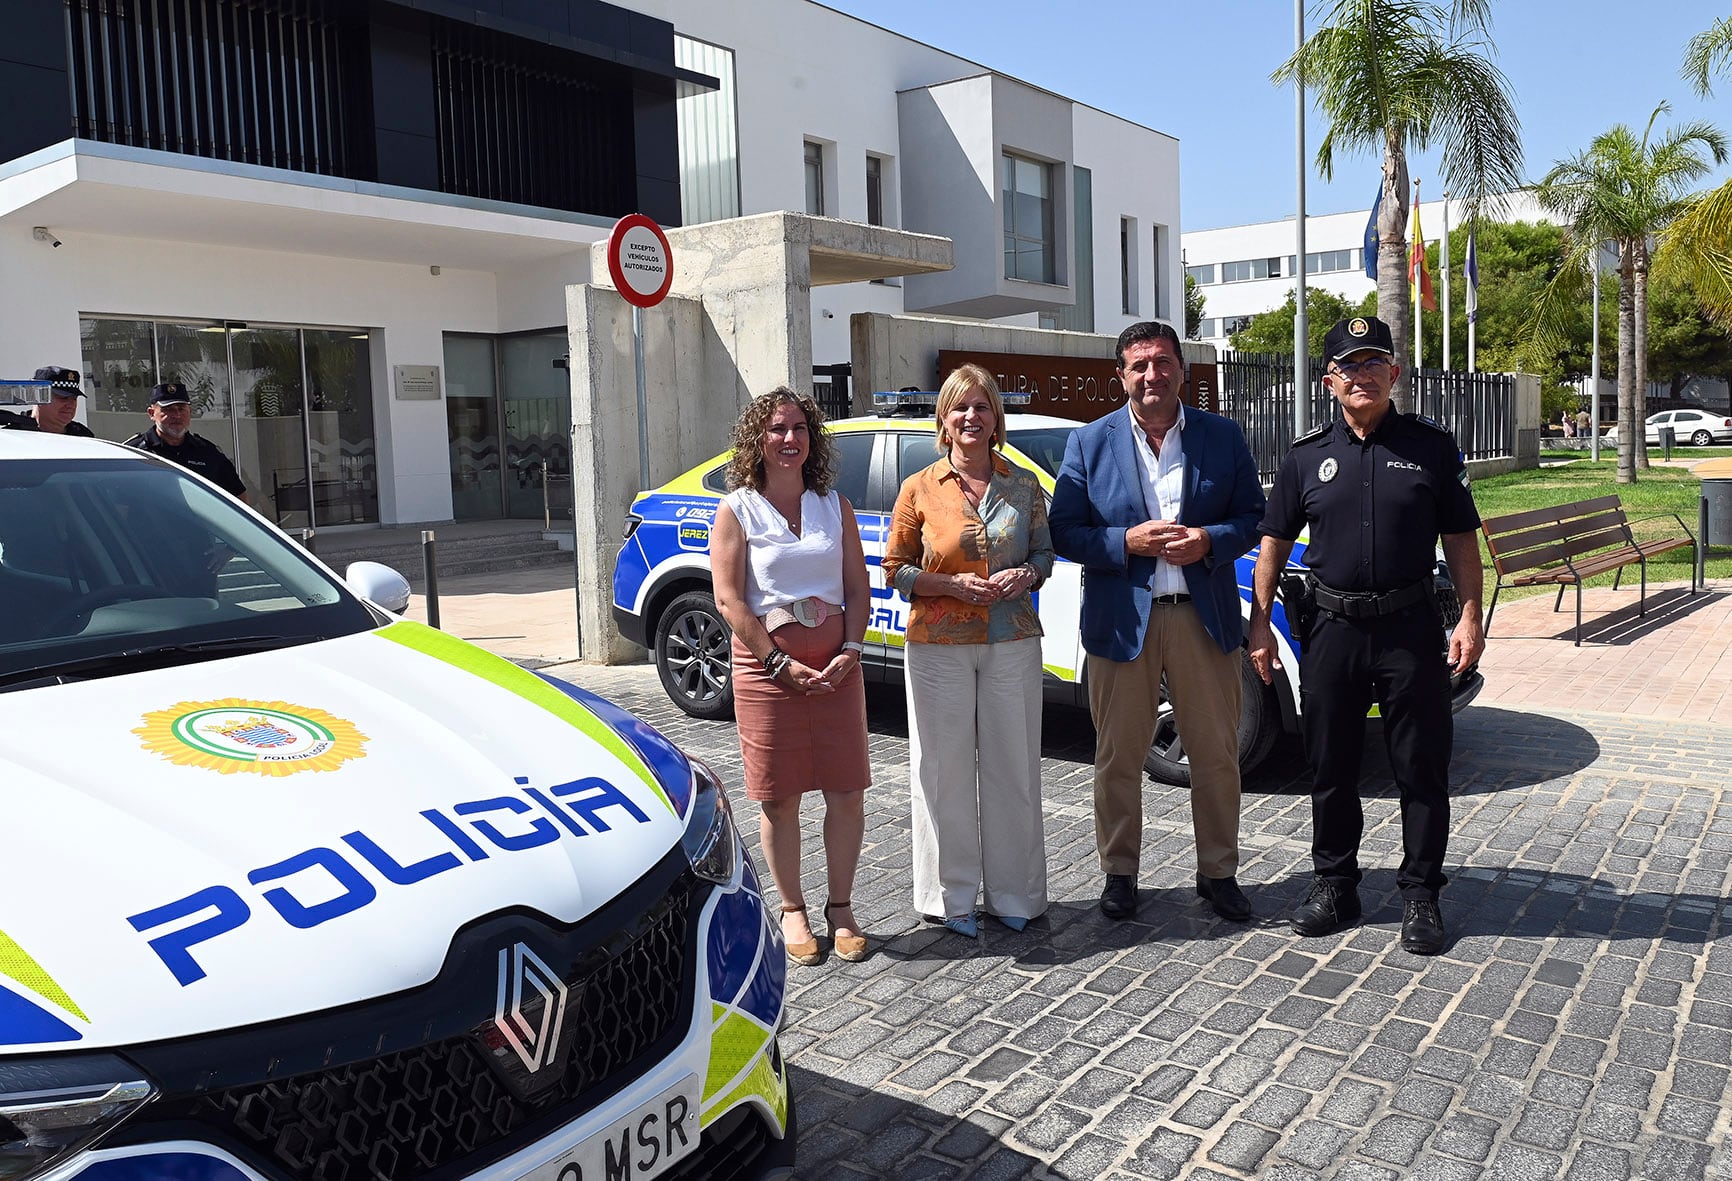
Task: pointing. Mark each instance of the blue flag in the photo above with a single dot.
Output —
(1471, 269)
(1371, 236)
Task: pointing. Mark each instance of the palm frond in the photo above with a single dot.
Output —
(1696, 250)
(1709, 53)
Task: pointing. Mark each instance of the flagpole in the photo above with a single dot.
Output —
(1418, 274)
(1443, 265)
(1301, 338)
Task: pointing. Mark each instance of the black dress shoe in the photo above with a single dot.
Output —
(1329, 907)
(1119, 899)
(1225, 896)
(1422, 928)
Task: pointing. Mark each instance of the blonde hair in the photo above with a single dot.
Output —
(962, 379)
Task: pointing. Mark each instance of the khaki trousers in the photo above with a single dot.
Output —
(1204, 685)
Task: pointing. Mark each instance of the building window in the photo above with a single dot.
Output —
(814, 179)
(1232, 324)
(1028, 220)
(1206, 327)
(1157, 305)
(1202, 274)
(709, 136)
(1080, 316)
(1128, 265)
(874, 191)
(1251, 268)
(1326, 261)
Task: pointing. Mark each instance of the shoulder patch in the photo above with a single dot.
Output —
(1316, 432)
(1435, 425)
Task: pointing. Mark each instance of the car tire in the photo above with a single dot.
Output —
(1259, 726)
(692, 648)
(1701, 439)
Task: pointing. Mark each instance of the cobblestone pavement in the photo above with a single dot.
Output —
(1578, 1026)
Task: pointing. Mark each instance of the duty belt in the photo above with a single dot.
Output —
(1369, 605)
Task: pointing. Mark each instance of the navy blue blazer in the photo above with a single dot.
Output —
(1099, 495)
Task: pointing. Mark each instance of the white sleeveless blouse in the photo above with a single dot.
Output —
(782, 566)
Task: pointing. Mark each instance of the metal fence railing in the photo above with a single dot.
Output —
(1256, 391)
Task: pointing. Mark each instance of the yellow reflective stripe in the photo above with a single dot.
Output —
(19, 965)
(734, 1040)
(762, 1082)
(497, 670)
(1063, 674)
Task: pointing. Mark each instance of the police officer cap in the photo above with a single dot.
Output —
(67, 383)
(1356, 335)
(169, 393)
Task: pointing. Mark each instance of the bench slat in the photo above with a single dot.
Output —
(1512, 543)
(1565, 548)
(1513, 521)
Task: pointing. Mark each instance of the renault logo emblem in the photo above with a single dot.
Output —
(531, 1006)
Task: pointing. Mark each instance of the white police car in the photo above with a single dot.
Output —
(662, 598)
(293, 890)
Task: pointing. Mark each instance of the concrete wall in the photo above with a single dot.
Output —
(1135, 173)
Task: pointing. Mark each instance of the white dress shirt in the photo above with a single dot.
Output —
(1163, 490)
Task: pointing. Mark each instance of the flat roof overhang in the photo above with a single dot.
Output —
(82, 186)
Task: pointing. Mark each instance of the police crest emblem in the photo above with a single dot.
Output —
(1357, 326)
(1327, 469)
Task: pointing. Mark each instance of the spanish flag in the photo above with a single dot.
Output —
(1417, 271)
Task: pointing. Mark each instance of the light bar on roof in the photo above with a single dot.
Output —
(907, 399)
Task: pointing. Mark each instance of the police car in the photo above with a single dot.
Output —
(296, 890)
(662, 589)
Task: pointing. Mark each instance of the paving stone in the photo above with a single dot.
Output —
(1599, 1162)
(1517, 1163)
(1545, 1126)
(1352, 1102)
(1424, 1098)
(1397, 1139)
(1204, 1109)
(1053, 1125)
(1315, 1144)
(1243, 1146)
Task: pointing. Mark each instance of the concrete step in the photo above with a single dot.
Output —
(513, 550)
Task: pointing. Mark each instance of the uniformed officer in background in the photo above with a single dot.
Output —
(1376, 488)
(58, 415)
(170, 436)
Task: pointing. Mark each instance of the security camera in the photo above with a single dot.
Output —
(44, 234)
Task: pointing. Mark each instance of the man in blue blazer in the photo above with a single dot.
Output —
(1157, 502)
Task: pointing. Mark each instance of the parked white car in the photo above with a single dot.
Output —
(1698, 428)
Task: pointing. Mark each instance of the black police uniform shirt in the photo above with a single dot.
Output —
(1375, 506)
(27, 422)
(195, 454)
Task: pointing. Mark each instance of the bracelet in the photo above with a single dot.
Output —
(775, 661)
(854, 646)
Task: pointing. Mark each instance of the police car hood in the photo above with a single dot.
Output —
(231, 842)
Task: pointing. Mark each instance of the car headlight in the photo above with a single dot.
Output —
(51, 1108)
(711, 844)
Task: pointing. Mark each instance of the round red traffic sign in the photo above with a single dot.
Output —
(640, 260)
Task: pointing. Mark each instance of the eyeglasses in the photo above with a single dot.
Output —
(1370, 367)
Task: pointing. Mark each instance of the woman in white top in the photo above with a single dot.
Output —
(790, 579)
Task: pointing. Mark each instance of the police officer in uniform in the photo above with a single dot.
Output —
(1376, 488)
(170, 437)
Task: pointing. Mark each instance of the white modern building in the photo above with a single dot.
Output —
(1245, 270)
(349, 228)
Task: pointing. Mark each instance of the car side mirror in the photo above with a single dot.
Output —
(379, 584)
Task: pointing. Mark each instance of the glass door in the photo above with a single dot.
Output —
(340, 426)
(537, 420)
(472, 428)
(270, 425)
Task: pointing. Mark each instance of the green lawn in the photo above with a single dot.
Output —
(1610, 451)
(1658, 492)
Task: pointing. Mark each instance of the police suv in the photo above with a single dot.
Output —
(296, 890)
(662, 588)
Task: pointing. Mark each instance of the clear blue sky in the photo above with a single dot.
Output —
(1200, 71)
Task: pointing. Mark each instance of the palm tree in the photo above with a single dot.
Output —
(1399, 75)
(1624, 191)
(1698, 250)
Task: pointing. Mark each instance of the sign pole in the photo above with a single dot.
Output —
(642, 402)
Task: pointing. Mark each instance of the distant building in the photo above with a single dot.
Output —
(1245, 270)
(348, 225)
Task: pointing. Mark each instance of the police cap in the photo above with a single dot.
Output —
(1358, 334)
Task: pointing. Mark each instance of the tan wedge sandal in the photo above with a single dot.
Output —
(807, 953)
(848, 947)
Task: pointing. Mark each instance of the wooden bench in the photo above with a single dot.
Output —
(1569, 543)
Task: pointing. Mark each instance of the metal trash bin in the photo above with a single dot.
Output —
(1668, 440)
(1717, 500)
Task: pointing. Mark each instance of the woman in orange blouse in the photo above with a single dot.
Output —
(968, 544)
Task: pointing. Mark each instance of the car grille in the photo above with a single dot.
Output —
(412, 1113)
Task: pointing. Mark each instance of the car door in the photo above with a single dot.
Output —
(1655, 422)
(856, 479)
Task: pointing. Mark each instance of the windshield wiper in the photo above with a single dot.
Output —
(154, 655)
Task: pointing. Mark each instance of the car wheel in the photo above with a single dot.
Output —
(1701, 439)
(1259, 726)
(692, 646)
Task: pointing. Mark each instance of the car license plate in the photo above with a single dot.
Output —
(644, 1144)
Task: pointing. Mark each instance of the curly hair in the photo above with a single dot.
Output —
(746, 467)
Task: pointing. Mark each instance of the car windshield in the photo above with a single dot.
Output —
(1044, 445)
(105, 562)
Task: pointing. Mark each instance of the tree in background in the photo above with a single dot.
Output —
(1684, 341)
(1272, 331)
(1623, 191)
(1392, 76)
(1698, 251)
(1194, 300)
